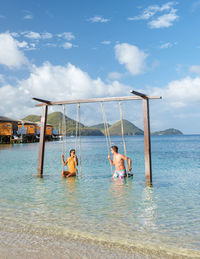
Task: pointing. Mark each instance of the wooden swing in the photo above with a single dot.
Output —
(77, 133)
(147, 138)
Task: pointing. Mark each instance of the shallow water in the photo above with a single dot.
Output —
(95, 208)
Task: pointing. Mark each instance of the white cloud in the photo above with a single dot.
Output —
(66, 35)
(36, 35)
(132, 57)
(180, 93)
(31, 35)
(22, 44)
(67, 45)
(166, 45)
(32, 45)
(106, 42)
(114, 75)
(70, 82)
(46, 35)
(99, 19)
(10, 55)
(164, 20)
(28, 17)
(2, 78)
(53, 83)
(25, 45)
(14, 34)
(51, 45)
(195, 69)
(151, 10)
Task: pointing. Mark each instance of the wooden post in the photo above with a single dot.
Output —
(147, 142)
(42, 140)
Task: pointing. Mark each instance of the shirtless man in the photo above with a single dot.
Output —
(72, 162)
(118, 162)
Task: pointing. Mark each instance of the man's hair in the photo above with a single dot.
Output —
(72, 150)
(115, 148)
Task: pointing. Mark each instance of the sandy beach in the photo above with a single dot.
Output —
(17, 246)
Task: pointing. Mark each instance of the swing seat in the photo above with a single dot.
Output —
(130, 174)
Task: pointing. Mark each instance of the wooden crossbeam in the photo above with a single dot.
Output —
(41, 100)
(94, 100)
(139, 94)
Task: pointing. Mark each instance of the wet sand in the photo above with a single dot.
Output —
(20, 245)
(17, 245)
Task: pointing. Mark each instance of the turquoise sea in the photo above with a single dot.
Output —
(94, 216)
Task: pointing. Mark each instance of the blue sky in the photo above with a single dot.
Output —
(61, 50)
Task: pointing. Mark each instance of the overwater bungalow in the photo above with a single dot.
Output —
(17, 131)
(27, 130)
(50, 134)
(8, 128)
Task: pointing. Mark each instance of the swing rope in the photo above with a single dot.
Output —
(107, 133)
(78, 131)
(77, 125)
(64, 137)
(122, 130)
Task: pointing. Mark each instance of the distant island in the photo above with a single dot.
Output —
(168, 132)
(56, 119)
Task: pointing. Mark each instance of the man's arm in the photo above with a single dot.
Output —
(129, 162)
(110, 160)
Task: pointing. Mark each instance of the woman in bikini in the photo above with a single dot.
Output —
(72, 162)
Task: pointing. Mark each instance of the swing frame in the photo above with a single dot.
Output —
(146, 118)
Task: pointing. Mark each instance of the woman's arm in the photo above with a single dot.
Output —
(63, 161)
(76, 160)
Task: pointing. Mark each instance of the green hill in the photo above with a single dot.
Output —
(129, 129)
(99, 126)
(33, 118)
(87, 131)
(56, 120)
(168, 132)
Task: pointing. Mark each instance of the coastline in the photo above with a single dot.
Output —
(18, 244)
(21, 245)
